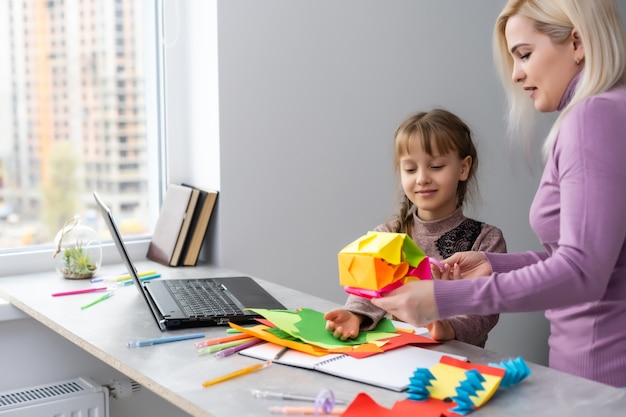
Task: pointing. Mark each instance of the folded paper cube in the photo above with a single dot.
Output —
(378, 260)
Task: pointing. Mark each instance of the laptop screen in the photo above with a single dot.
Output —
(117, 239)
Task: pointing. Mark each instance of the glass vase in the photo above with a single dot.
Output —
(78, 252)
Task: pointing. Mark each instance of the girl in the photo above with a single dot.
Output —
(436, 161)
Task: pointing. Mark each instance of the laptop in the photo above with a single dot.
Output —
(194, 302)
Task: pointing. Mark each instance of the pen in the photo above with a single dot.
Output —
(83, 291)
(221, 346)
(235, 349)
(306, 411)
(257, 393)
(280, 353)
(143, 278)
(95, 289)
(126, 276)
(235, 374)
(150, 342)
(97, 300)
(219, 340)
(149, 277)
(100, 279)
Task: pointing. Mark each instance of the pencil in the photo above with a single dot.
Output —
(219, 340)
(97, 300)
(234, 349)
(235, 374)
(222, 346)
(280, 353)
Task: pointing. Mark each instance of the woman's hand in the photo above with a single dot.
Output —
(343, 323)
(414, 303)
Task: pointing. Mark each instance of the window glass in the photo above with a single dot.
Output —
(73, 84)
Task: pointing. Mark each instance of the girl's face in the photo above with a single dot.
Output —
(430, 182)
(544, 68)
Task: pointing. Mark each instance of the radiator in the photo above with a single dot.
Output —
(79, 397)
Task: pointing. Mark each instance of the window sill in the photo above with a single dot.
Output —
(23, 263)
(26, 262)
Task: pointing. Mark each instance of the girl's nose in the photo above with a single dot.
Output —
(422, 178)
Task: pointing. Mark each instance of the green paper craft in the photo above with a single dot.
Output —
(310, 327)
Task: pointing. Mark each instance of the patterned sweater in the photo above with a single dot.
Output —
(440, 239)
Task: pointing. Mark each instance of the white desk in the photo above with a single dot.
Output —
(174, 371)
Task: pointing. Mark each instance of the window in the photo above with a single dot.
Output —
(73, 90)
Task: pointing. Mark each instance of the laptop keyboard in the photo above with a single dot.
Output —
(202, 298)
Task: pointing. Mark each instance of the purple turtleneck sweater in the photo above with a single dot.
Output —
(579, 216)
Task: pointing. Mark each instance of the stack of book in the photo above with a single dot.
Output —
(182, 225)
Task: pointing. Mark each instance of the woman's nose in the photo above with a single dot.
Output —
(517, 75)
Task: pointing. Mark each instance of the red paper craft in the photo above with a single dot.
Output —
(364, 405)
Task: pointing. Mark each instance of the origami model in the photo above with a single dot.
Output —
(379, 262)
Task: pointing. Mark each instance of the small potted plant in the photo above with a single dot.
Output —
(81, 251)
(77, 263)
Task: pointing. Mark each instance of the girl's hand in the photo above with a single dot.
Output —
(441, 330)
(343, 323)
(414, 303)
(447, 272)
(465, 265)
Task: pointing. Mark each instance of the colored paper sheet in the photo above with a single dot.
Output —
(310, 327)
(259, 331)
(364, 405)
(402, 339)
(273, 332)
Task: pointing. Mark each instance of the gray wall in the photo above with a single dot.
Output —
(310, 95)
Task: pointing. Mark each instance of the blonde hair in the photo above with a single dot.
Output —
(602, 34)
(426, 129)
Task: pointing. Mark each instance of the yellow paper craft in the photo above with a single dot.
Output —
(448, 377)
(380, 259)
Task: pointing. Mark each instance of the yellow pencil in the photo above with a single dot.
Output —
(235, 374)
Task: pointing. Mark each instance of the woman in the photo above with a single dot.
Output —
(567, 56)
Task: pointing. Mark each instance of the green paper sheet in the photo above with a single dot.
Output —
(310, 327)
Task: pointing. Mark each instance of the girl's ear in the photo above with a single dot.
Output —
(466, 165)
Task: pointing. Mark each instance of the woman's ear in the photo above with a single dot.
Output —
(579, 50)
(466, 165)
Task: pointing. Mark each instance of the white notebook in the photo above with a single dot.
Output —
(390, 370)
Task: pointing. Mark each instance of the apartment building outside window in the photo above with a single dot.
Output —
(73, 105)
